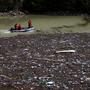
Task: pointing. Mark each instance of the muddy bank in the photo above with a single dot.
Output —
(30, 62)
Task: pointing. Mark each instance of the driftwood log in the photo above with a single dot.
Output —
(65, 51)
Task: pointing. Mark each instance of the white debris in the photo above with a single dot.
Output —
(31, 88)
(26, 49)
(35, 77)
(75, 75)
(50, 83)
(88, 79)
(4, 76)
(63, 41)
(15, 56)
(1, 57)
(18, 83)
(66, 51)
(65, 86)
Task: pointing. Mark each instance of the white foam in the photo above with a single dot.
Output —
(4, 31)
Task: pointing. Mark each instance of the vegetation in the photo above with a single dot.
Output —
(42, 6)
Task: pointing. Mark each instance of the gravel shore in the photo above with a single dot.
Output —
(29, 62)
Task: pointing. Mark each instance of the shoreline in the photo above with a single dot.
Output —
(22, 13)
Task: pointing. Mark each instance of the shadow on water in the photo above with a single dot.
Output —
(84, 25)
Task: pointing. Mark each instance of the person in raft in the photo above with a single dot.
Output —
(29, 23)
(18, 27)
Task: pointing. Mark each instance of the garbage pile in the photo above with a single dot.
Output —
(30, 62)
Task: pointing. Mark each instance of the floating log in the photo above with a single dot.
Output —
(66, 51)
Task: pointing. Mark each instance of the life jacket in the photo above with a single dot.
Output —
(19, 27)
(29, 23)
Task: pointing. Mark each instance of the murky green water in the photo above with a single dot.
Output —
(47, 23)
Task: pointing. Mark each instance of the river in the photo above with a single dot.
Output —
(46, 23)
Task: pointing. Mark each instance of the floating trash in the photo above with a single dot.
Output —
(50, 83)
(88, 79)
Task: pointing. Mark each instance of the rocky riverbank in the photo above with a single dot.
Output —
(12, 13)
(30, 62)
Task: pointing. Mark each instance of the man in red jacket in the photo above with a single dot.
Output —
(18, 26)
(30, 23)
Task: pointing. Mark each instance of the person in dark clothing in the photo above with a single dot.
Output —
(16, 26)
